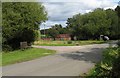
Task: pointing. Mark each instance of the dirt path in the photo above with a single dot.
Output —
(68, 61)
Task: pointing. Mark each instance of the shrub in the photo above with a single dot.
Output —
(7, 48)
(23, 25)
(109, 67)
(69, 42)
(118, 43)
(116, 68)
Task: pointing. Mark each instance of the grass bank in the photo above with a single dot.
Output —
(109, 67)
(67, 43)
(24, 55)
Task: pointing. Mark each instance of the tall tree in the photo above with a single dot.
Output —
(20, 21)
(0, 25)
(52, 33)
(117, 9)
(93, 24)
(113, 18)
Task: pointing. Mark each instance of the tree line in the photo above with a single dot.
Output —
(90, 25)
(54, 31)
(93, 24)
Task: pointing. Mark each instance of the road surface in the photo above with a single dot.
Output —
(68, 61)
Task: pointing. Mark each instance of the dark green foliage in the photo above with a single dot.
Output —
(0, 26)
(116, 67)
(117, 9)
(54, 31)
(109, 67)
(93, 24)
(6, 48)
(118, 43)
(20, 22)
(69, 42)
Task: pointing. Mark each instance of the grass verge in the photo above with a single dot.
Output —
(67, 43)
(24, 55)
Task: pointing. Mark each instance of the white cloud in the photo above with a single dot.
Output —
(60, 10)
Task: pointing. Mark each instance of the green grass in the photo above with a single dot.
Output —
(25, 55)
(90, 42)
(65, 43)
(56, 44)
(0, 58)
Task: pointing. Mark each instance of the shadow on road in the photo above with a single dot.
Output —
(92, 55)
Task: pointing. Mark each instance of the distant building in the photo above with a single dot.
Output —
(63, 37)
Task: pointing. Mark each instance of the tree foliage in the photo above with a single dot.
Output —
(54, 31)
(117, 9)
(20, 20)
(0, 25)
(93, 24)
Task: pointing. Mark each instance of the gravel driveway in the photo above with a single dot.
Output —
(68, 61)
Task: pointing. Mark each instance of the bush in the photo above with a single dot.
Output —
(69, 42)
(26, 35)
(109, 67)
(116, 68)
(23, 25)
(6, 48)
(118, 43)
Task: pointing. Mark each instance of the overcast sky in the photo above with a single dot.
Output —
(59, 10)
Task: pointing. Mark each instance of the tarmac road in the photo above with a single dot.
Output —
(68, 61)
